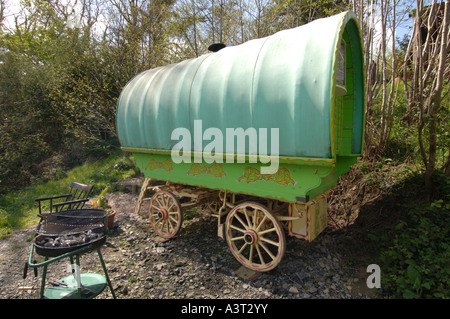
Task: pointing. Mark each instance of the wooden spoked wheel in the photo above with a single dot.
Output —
(255, 237)
(166, 214)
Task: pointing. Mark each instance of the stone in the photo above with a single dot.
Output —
(293, 290)
(312, 289)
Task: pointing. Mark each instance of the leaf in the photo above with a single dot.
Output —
(410, 262)
(408, 294)
(412, 273)
(426, 285)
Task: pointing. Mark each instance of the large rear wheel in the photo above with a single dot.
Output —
(255, 237)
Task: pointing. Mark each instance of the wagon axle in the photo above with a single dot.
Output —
(251, 237)
(163, 214)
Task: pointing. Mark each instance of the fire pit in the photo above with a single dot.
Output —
(62, 232)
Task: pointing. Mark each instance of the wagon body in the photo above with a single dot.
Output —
(307, 82)
(285, 81)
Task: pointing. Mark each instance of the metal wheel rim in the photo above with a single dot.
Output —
(255, 237)
(165, 214)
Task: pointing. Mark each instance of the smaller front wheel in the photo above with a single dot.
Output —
(166, 214)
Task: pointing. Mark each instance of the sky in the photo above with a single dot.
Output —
(13, 8)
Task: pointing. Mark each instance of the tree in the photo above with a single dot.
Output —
(429, 48)
(188, 14)
(388, 98)
(2, 13)
(60, 80)
(28, 127)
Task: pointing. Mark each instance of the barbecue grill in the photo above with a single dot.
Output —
(68, 234)
(62, 232)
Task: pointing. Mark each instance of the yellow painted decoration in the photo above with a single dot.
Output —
(282, 176)
(153, 164)
(215, 169)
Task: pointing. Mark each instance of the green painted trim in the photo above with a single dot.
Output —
(291, 183)
(255, 158)
(350, 32)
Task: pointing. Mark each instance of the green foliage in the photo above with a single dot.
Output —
(58, 92)
(18, 209)
(414, 252)
(417, 261)
(5, 225)
(102, 201)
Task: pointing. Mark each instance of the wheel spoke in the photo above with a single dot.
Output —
(154, 214)
(161, 206)
(267, 231)
(246, 216)
(238, 238)
(171, 205)
(241, 221)
(173, 219)
(238, 229)
(163, 199)
(242, 248)
(250, 257)
(156, 205)
(261, 259)
(255, 216)
(261, 223)
(160, 223)
(267, 250)
(170, 225)
(270, 241)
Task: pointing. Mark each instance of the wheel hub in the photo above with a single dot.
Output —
(163, 214)
(251, 237)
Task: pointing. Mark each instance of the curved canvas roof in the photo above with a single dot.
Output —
(284, 81)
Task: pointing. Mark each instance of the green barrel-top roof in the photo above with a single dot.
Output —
(286, 81)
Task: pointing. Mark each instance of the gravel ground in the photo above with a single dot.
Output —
(195, 265)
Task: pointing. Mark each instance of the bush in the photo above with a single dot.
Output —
(416, 264)
(415, 257)
(18, 209)
(5, 225)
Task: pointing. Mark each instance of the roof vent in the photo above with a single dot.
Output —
(216, 47)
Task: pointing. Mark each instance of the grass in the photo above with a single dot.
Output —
(19, 209)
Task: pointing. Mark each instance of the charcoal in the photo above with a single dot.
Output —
(67, 240)
(48, 244)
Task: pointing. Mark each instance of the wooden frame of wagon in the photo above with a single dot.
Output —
(262, 216)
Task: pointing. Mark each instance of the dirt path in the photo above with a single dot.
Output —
(196, 264)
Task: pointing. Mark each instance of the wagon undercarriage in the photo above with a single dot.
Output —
(253, 227)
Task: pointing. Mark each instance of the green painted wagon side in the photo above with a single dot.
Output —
(307, 82)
